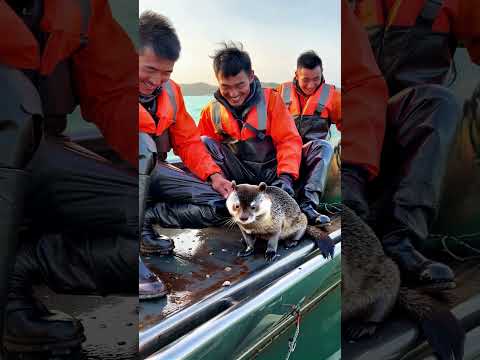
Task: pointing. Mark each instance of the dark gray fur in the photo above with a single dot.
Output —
(285, 221)
(371, 288)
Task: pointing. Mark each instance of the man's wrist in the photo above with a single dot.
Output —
(212, 176)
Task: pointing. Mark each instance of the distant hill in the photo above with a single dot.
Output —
(202, 89)
(269, 84)
(198, 89)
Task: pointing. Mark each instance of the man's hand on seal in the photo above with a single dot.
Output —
(221, 185)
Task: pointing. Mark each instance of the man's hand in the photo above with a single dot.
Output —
(221, 185)
(285, 182)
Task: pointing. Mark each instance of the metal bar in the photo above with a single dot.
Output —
(200, 336)
(176, 325)
(284, 325)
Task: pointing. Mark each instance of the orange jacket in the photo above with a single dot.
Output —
(298, 104)
(106, 81)
(184, 135)
(280, 127)
(459, 17)
(364, 98)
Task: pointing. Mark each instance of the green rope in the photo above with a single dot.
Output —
(459, 240)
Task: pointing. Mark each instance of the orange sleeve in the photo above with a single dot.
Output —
(466, 27)
(20, 49)
(364, 98)
(205, 125)
(106, 80)
(186, 143)
(286, 139)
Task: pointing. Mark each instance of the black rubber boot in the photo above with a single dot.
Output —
(189, 216)
(149, 285)
(313, 216)
(309, 205)
(415, 268)
(316, 158)
(79, 263)
(12, 190)
(29, 325)
(152, 243)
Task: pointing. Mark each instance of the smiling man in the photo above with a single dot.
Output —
(247, 129)
(314, 105)
(164, 125)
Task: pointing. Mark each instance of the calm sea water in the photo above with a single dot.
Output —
(195, 104)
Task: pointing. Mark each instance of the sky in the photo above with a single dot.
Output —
(273, 32)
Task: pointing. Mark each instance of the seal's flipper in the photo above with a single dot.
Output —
(439, 326)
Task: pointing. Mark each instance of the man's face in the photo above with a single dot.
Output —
(309, 79)
(235, 89)
(153, 71)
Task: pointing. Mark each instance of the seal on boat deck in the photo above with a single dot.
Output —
(269, 213)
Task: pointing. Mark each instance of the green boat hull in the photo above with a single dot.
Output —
(260, 325)
(319, 335)
(252, 317)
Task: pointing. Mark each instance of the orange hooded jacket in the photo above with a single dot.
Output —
(364, 98)
(184, 136)
(301, 105)
(459, 17)
(280, 127)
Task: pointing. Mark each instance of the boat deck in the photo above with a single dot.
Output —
(203, 262)
(110, 324)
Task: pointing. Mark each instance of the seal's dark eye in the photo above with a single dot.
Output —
(236, 206)
(253, 206)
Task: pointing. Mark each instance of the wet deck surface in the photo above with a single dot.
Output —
(467, 278)
(203, 261)
(111, 323)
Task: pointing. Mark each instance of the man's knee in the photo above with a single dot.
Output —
(425, 106)
(213, 147)
(165, 172)
(318, 149)
(147, 156)
(22, 117)
(209, 142)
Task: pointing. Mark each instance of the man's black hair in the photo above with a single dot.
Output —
(157, 32)
(309, 60)
(231, 59)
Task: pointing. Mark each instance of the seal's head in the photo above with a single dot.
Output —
(248, 203)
